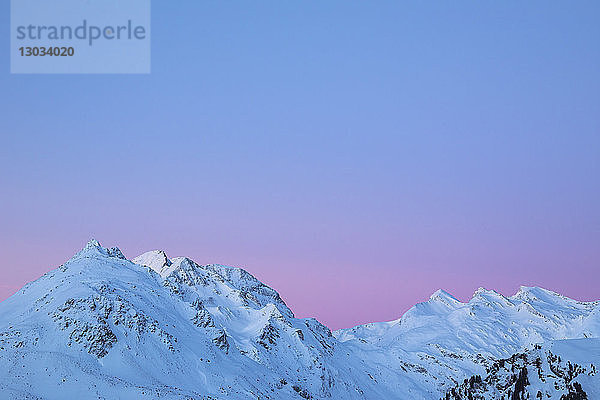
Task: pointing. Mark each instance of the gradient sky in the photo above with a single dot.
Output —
(354, 155)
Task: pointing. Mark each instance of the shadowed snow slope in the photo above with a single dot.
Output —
(101, 326)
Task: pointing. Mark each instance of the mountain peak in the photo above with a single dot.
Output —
(533, 291)
(483, 291)
(540, 294)
(443, 296)
(93, 243)
(154, 259)
(94, 248)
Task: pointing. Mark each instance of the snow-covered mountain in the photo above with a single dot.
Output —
(103, 327)
(442, 341)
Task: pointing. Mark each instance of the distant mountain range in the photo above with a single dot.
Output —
(104, 327)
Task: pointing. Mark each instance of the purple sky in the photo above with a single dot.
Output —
(356, 158)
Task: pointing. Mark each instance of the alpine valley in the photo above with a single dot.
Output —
(104, 327)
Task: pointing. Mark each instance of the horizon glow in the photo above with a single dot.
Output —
(355, 158)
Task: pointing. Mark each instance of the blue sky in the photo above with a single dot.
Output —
(365, 153)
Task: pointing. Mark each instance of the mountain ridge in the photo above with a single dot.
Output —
(213, 331)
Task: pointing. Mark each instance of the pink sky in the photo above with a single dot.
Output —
(346, 290)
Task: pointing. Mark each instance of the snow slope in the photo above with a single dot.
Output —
(103, 327)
